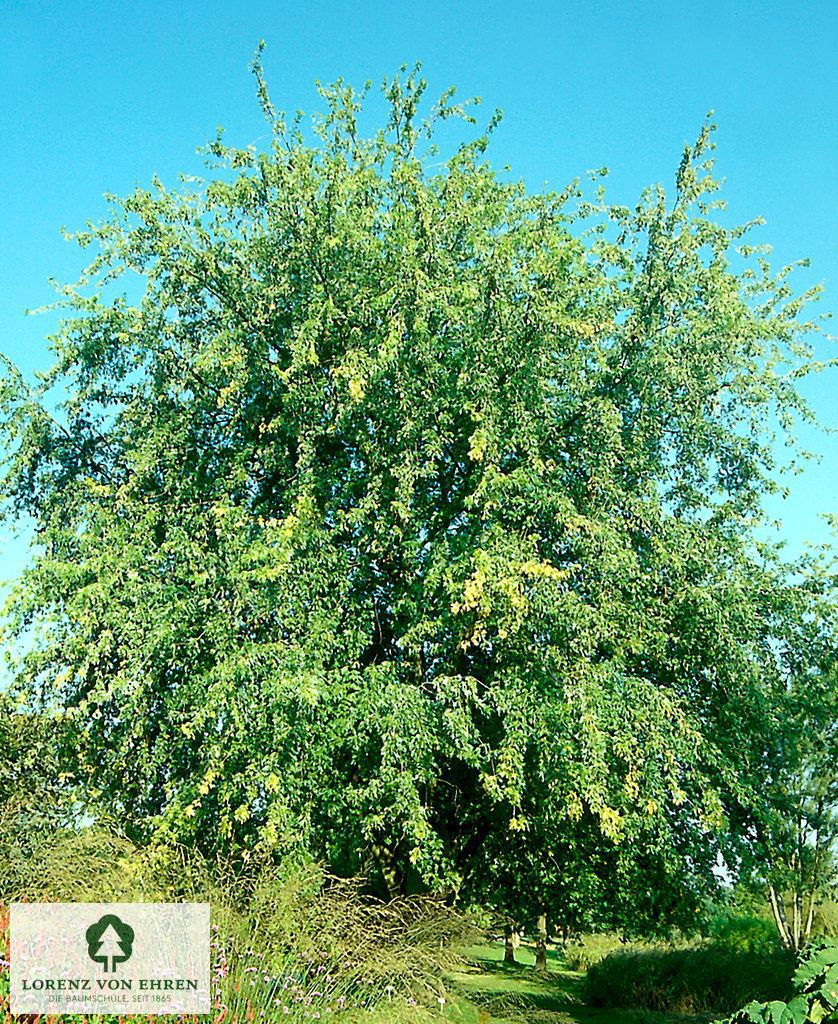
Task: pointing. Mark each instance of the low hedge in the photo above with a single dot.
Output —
(706, 980)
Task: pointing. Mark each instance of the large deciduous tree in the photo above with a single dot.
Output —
(397, 515)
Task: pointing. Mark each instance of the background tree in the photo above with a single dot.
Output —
(34, 788)
(794, 859)
(405, 513)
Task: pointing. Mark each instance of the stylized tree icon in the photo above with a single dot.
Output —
(109, 941)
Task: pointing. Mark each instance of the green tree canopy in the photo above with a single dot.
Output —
(391, 512)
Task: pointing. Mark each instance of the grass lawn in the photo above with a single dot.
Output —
(497, 993)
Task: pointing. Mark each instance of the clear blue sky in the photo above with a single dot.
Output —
(98, 96)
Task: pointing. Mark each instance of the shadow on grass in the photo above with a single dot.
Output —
(514, 993)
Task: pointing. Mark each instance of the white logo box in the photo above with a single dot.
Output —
(110, 958)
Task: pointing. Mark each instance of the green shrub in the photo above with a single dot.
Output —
(745, 933)
(704, 980)
(816, 985)
(586, 950)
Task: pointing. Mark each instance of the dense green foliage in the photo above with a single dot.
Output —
(709, 979)
(816, 985)
(739, 933)
(388, 514)
(33, 791)
(585, 950)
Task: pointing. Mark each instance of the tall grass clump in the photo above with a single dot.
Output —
(292, 945)
(710, 979)
(315, 938)
(816, 991)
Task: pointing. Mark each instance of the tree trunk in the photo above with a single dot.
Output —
(541, 944)
(509, 944)
(814, 878)
(388, 869)
(810, 919)
(779, 912)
